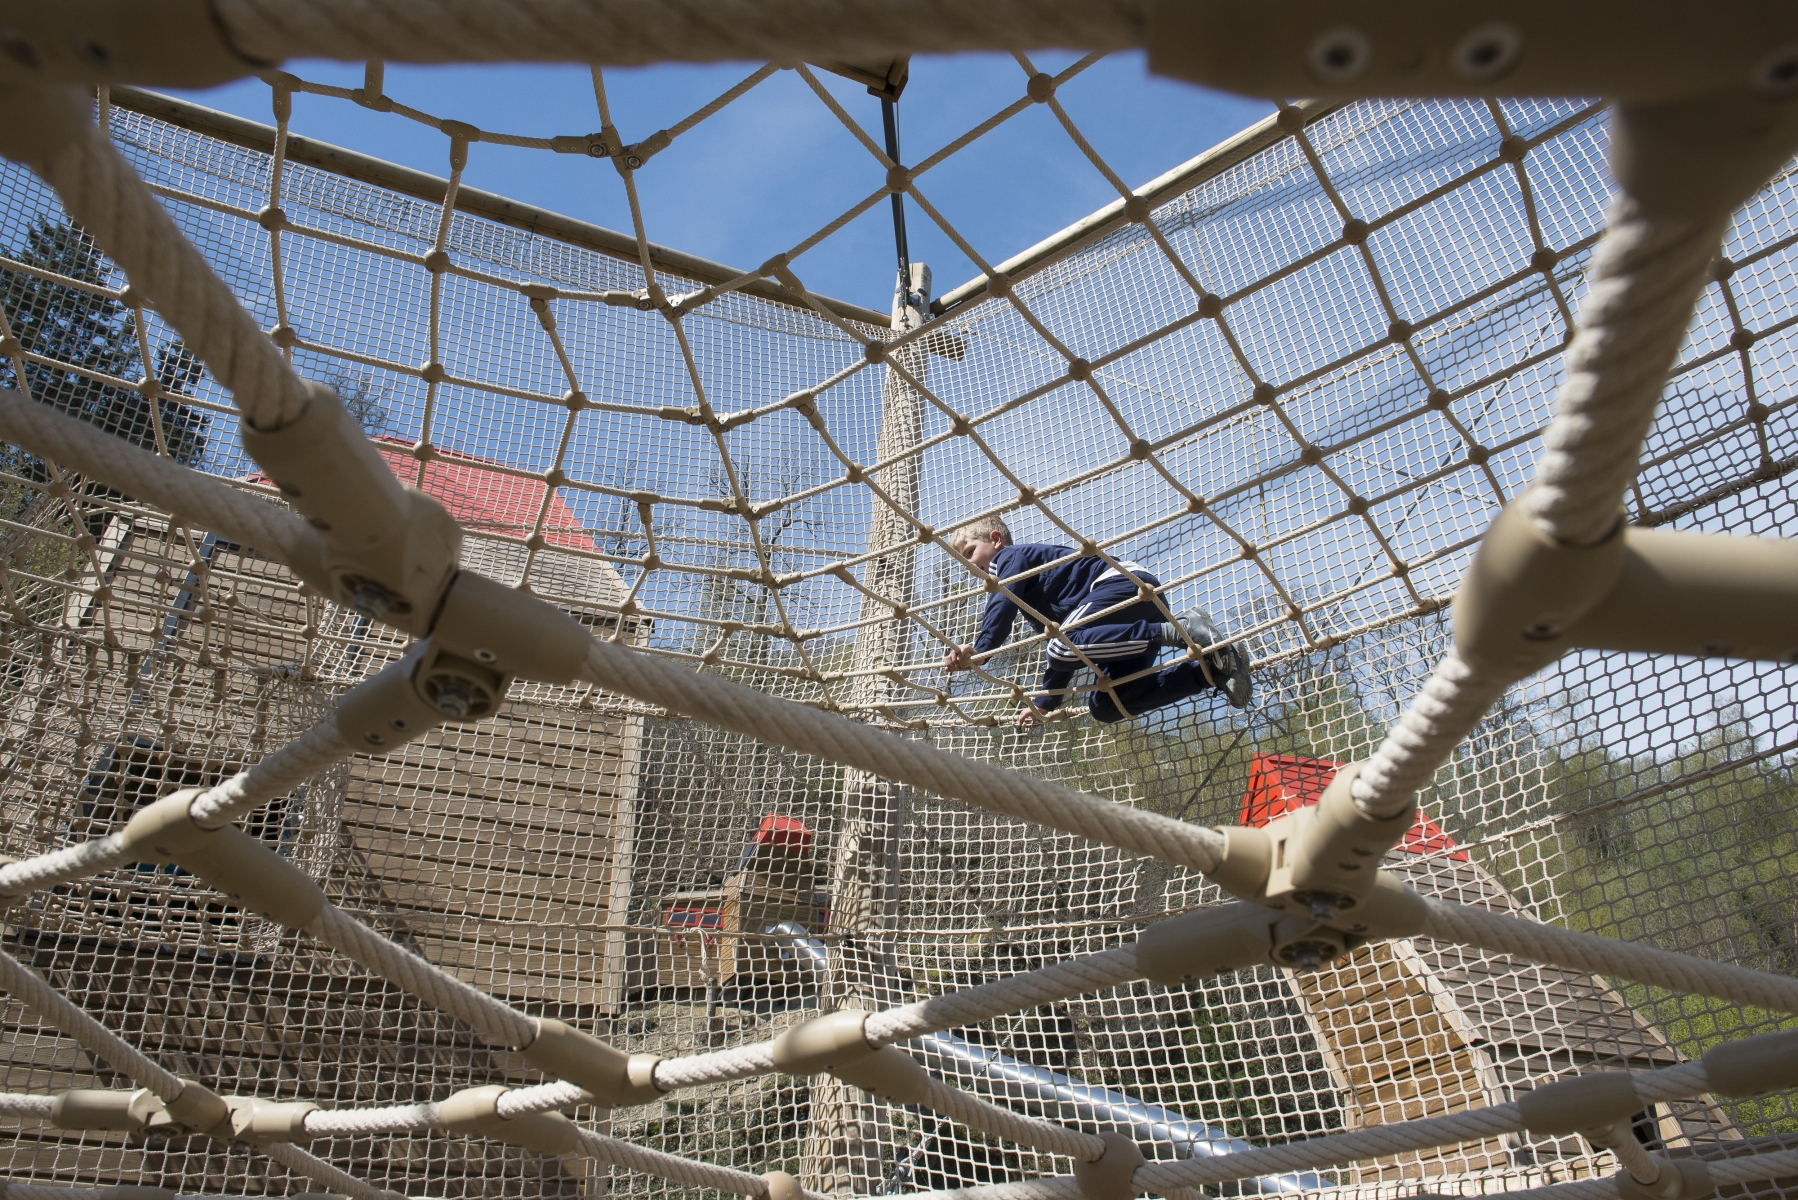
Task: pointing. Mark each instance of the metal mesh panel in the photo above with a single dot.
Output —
(1297, 395)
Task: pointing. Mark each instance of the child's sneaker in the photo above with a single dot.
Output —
(1236, 684)
(1229, 666)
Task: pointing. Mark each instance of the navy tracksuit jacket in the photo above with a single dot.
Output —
(1120, 644)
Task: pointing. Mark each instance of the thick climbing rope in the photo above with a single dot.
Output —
(1645, 278)
(12, 1104)
(107, 198)
(493, 1019)
(1006, 1125)
(809, 731)
(276, 774)
(627, 32)
(68, 1019)
(105, 1046)
(304, 1162)
(1501, 933)
(201, 500)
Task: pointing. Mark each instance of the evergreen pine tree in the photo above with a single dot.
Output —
(83, 331)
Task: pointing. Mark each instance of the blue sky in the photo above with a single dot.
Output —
(776, 165)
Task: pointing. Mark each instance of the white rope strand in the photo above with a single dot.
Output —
(1059, 981)
(1645, 277)
(653, 1162)
(1450, 703)
(201, 500)
(631, 32)
(1501, 933)
(276, 774)
(12, 1104)
(319, 1171)
(69, 1020)
(492, 1018)
(363, 1122)
(957, 1105)
(809, 731)
(105, 196)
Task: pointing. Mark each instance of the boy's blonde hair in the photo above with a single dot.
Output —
(979, 529)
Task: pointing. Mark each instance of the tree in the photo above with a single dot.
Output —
(84, 333)
(362, 399)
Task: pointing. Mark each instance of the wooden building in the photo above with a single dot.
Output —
(500, 851)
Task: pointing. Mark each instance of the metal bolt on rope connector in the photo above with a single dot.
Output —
(454, 702)
(372, 601)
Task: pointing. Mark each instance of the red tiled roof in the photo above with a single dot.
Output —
(1279, 783)
(483, 500)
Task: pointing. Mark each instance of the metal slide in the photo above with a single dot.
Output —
(1060, 1097)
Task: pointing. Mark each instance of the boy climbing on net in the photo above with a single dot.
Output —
(1120, 643)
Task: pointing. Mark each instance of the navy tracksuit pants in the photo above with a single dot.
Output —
(1119, 644)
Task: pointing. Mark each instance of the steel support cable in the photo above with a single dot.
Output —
(104, 196)
(825, 735)
(634, 32)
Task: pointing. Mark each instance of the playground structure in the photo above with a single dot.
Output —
(729, 789)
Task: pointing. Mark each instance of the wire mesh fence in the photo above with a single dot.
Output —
(1296, 393)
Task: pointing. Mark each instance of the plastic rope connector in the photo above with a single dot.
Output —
(1109, 1176)
(516, 632)
(386, 551)
(1751, 1066)
(228, 860)
(782, 1186)
(1200, 944)
(122, 1112)
(825, 1043)
(476, 1111)
(260, 1122)
(199, 1109)
(1681, 1179)
(888, 1074)
(1525, 591)
(1325, 856)
(1702, 594)
(616, 1079)
(385, 711)
(1569, 1106)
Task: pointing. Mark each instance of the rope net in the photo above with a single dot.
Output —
(1296, 385)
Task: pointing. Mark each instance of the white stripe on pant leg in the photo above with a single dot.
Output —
(1099, 651)
(1110, 650)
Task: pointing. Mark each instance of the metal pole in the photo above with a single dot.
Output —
(889, 116)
